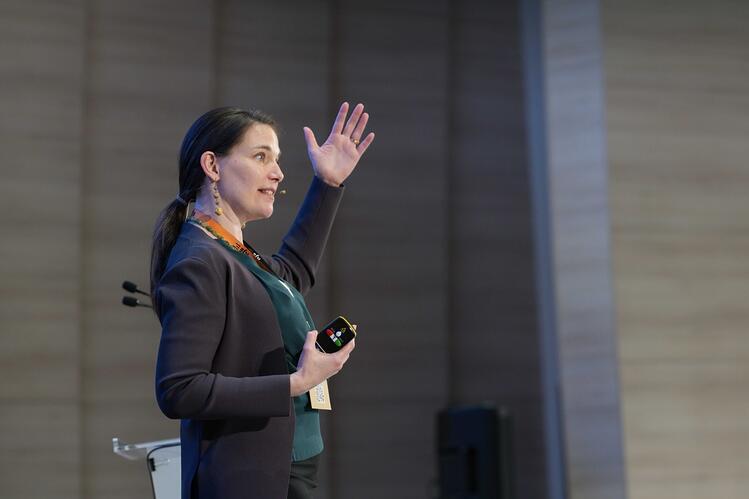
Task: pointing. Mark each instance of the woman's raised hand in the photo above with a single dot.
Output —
(334, 161)
(315, 366)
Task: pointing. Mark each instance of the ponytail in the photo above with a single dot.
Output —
(165, 232)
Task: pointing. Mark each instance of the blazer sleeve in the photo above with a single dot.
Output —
(191, 299)
(302, 248)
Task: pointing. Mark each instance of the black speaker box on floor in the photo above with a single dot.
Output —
(474, 453)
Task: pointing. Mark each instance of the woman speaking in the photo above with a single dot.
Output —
(234, 323)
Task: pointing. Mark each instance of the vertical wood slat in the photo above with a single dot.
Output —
(390, 250)
(41, 68)
(580, 244)
(150, 77)
(494, 336)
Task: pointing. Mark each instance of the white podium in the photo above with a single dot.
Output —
(163, 460)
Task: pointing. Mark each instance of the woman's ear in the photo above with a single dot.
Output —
(209, 163)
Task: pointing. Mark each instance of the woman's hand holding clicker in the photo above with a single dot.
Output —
(314, 366)
(335, 159)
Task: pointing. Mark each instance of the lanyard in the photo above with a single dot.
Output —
(209, 224)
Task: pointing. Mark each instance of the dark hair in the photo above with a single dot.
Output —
(218, 131)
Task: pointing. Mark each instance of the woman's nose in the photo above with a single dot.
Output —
(277, 173)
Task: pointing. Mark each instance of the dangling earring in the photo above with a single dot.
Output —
(217, 199)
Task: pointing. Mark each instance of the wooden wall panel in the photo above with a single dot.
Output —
(578, 201)
(41, 61)
(678, 118)
(494, 336)
(150, 77)
(390, 250)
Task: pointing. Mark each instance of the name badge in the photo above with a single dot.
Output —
(319, 397)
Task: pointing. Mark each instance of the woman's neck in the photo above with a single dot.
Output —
(228, 220)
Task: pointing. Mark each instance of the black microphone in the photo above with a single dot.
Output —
(133, 288)
(133, 302)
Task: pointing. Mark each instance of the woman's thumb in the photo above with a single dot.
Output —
(311, 338)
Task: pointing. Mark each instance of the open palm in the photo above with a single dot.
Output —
(336, 158)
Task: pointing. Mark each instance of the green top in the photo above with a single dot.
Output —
(295, 322)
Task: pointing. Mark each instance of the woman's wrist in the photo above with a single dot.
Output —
(296, 384)
(330, 182)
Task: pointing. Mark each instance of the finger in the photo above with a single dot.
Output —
(359, 130)
(347, 348)
(309, 341)
(309, 137)
(365, 143)
(353, 120)
(342, 356)
(339, 119)
(351, 344)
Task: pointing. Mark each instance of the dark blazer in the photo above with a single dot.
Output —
(221, 366)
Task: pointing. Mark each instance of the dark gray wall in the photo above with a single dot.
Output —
(494, 337)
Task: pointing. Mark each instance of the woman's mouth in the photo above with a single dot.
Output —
(268, 192)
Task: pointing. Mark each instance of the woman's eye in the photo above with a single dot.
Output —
(260, 156)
